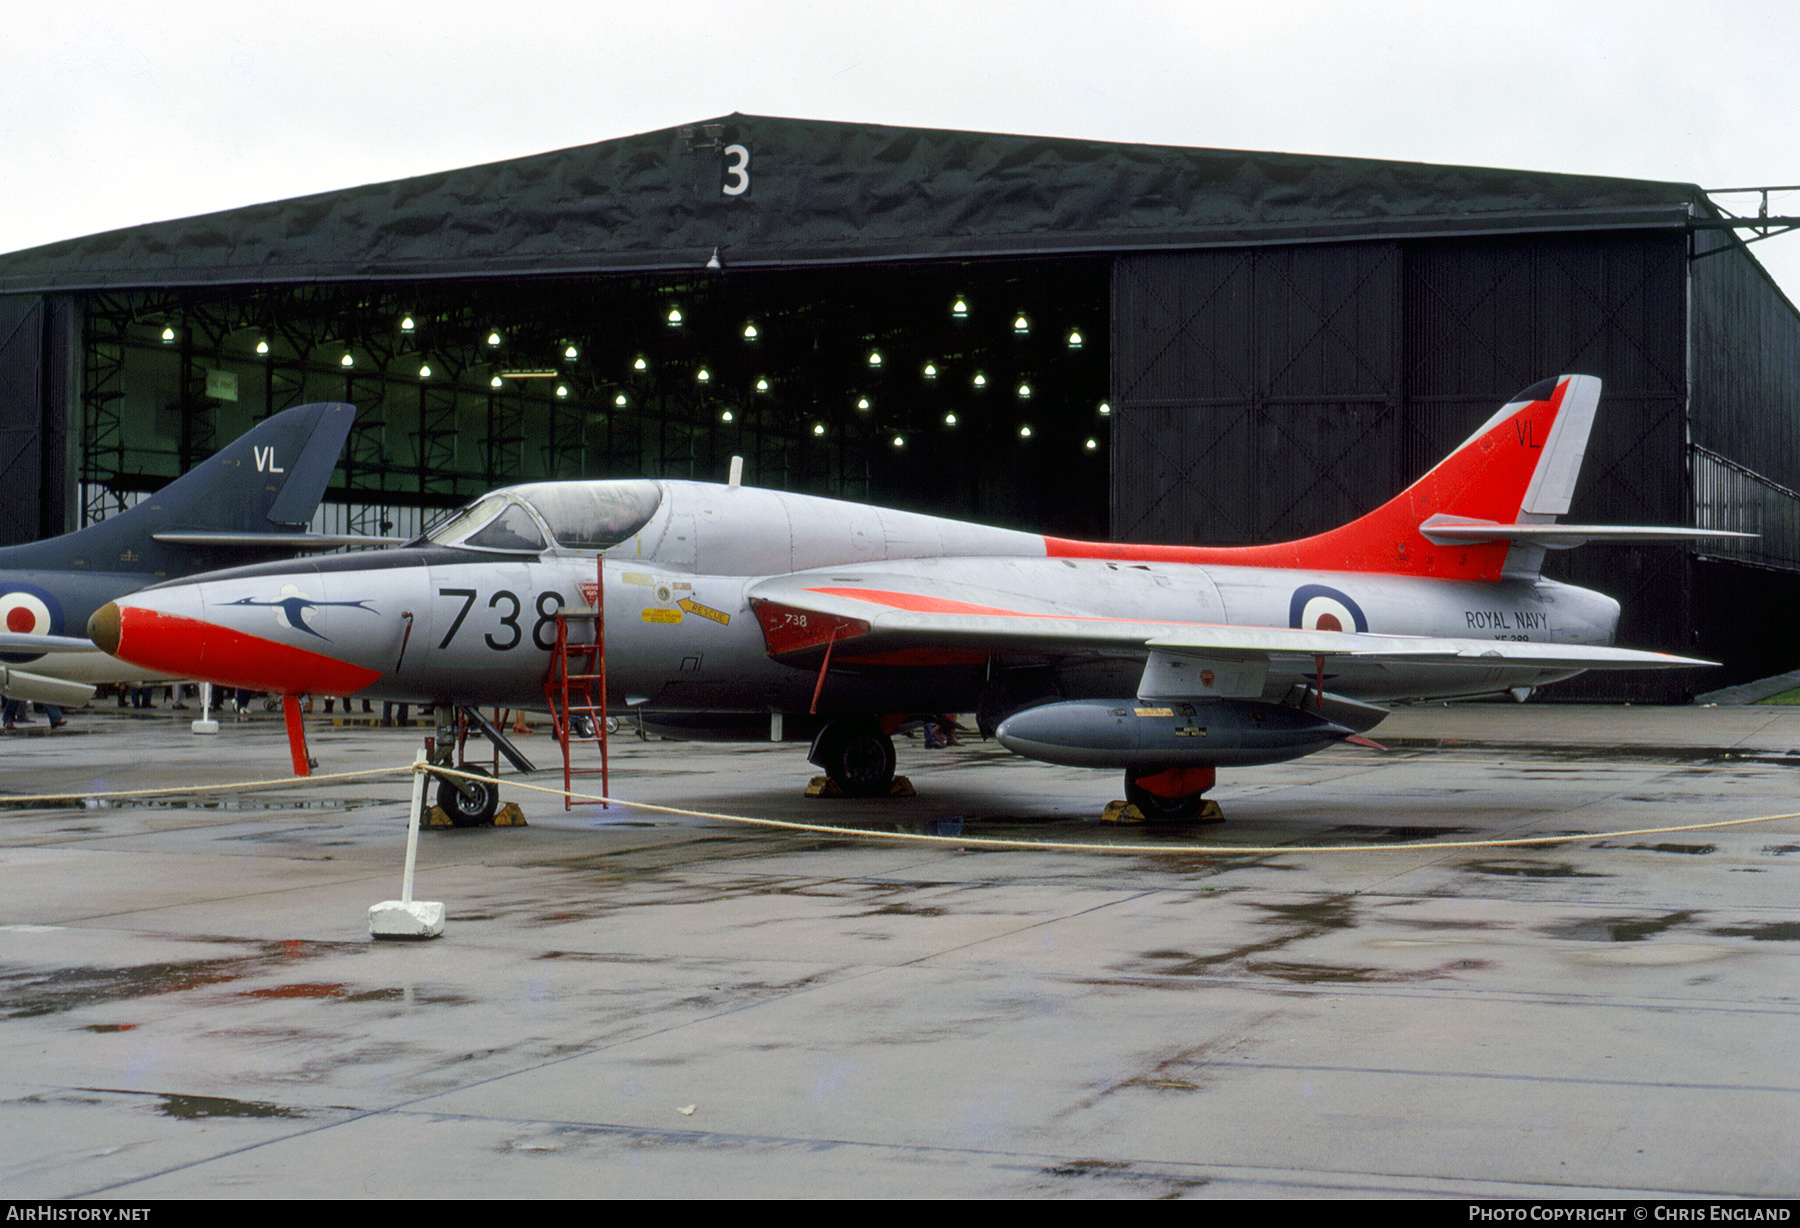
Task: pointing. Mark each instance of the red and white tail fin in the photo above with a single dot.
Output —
(1519, 468)
(1460, 521)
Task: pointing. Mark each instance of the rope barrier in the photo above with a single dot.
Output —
(25, 799)
(965, 841)
(1224, 850)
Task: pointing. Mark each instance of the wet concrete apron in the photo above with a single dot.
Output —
(628, 1003)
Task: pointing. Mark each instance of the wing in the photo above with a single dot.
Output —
(878, 617)
(20, 642)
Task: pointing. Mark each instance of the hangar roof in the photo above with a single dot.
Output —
(816, 192)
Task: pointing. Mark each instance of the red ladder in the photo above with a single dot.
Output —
(576, 671)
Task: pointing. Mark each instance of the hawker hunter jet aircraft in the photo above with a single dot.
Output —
(731, 611)
(251, 501)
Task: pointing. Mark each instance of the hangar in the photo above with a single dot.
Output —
(1138, 342)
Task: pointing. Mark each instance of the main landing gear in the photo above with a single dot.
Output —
(858, 755)
(1171, 794)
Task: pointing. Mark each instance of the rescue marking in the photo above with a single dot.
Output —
(704, 611)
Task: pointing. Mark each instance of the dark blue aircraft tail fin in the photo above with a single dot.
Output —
(269, 480)
(248, 502)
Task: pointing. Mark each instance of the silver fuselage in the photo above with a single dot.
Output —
(681, 635)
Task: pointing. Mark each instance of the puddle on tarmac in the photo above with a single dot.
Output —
(1529, 869)
(1374, 833)
(1771, 931)
(1533, 751)
(1618, 929)
(1134, 1182)
(75, 801)
(190, 1107)
(1306, 920)
(51, 991)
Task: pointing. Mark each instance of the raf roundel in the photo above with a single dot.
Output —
(26, 609)
(1318, 607)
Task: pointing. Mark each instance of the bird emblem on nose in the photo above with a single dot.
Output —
(294, 608)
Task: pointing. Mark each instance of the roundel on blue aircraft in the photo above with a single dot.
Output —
(1317, 607)
(26, 609)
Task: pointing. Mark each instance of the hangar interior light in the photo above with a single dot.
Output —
(643, 374)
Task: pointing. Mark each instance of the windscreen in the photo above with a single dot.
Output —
(593, 515)
(493, 523)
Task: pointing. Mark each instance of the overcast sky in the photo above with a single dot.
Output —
(113, 114)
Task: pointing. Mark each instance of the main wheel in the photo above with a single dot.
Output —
(465, 811)
(858, 756)
(1154, 806)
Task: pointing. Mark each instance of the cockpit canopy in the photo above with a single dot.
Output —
(577, 516)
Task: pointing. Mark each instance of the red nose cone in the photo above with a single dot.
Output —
(207, 652)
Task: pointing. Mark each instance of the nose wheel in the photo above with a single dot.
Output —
(470, 803)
